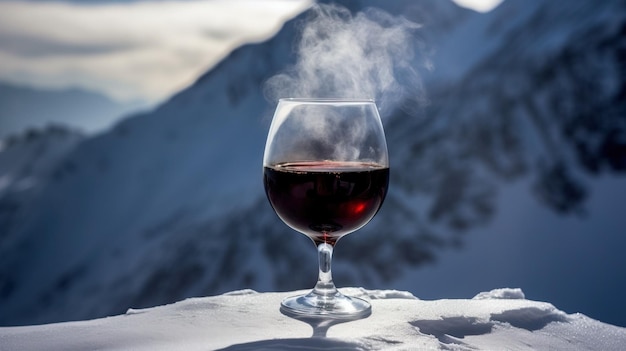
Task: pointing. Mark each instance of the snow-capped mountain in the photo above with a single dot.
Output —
(27, 161)
(170, 204)
(545, 98)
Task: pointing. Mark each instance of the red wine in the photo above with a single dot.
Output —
(326, 200)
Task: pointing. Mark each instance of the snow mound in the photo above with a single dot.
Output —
(378, 294)
(249, 320)
(504, 293)
(241, 292)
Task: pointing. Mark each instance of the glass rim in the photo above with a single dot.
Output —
(327, 100)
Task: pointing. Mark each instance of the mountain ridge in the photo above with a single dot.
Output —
(23, 107)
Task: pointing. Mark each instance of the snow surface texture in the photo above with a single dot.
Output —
(247, 320)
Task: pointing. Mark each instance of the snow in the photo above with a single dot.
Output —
(505, 293)
(247, 320)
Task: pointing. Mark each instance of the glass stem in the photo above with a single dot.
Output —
(325, 285)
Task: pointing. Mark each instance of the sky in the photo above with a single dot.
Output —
(134, 50)
(138, 50)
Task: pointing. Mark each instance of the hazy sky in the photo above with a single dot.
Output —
(137, 50)
(134, 50)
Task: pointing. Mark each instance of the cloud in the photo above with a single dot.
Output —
(140, 50)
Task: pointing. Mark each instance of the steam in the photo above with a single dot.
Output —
(370, 55)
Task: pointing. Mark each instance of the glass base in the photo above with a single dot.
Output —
(335, 305)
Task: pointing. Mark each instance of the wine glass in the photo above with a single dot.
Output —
(326, 172)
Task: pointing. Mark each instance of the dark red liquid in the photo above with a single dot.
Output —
(326, 200)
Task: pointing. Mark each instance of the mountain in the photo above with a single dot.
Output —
(556, 116)
(522, 152)
(24, 107)
(27, 162)
(170, 204)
